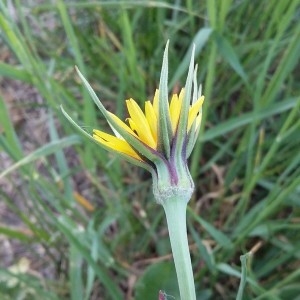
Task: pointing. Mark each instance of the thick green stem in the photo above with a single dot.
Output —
(175, 209)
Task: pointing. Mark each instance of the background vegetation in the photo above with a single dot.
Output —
(77, 223)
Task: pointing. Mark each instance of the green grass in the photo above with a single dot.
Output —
(246, 163)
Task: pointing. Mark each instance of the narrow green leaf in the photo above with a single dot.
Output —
(101, 273)
(14, 233)
(205, 255)
(199, 41)
(10, 136)
(219, 236)
(45, 150)
(14, 72)
(230, 56)
(75, 271)
(247, 118)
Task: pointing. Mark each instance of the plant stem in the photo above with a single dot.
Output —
(175, 210)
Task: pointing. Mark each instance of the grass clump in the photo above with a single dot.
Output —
(85, 221)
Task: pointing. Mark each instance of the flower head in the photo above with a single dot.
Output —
(159, 137)
(143, 125)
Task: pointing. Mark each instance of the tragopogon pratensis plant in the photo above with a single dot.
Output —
(160, 139)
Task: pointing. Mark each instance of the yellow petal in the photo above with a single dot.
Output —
(151, 119)
(131, 124)
(115, 143)
(122, 124)
(193, 112)
(136, 128)
(181, 94)
(141, 125)
(175, 108)
(156, 103)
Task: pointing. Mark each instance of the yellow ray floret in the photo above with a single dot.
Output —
(155, 102)
(151, 119)
(144, 125)
(193, 112)
(175, 108)
(122, 124)
(139, 123)
(114, 143)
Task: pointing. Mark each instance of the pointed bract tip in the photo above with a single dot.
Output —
(78, 71)
(200, 90)
(193, 52)
(195, 69)
(166, 50)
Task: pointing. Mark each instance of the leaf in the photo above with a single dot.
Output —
(229, 54)
(247, 118)
(45, 150)
(199, 41)
(218, 236)
(158, 277)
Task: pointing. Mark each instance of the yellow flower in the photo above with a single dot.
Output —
(158, 138)
(144, 125)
